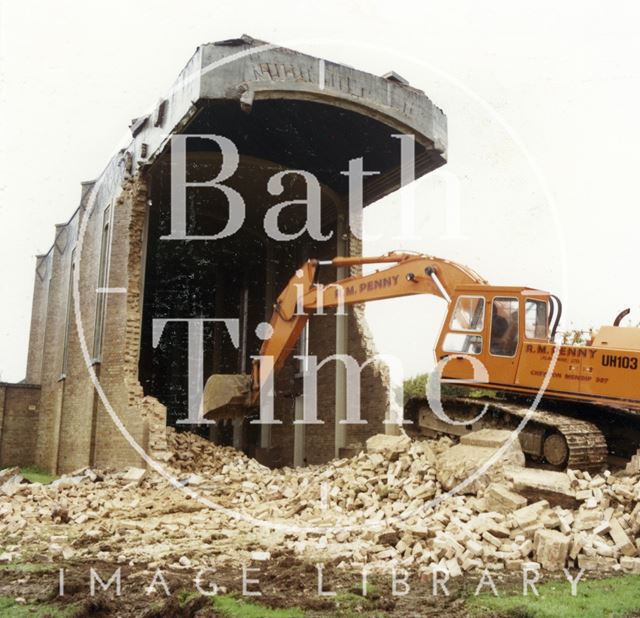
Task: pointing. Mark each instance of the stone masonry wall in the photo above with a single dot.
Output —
(38, 318)
(52, 383)
(143, 418)
(75, 429)
(18, 424)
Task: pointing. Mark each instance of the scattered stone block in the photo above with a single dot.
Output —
(500, 498)
(620, 538)
(12, 485)
(488, 438)
(462, 462)
(388, 444)
(597, 563)
(8, 473)
(555, 487)
(587, 519)
(527, 515)
(134, 475)
(630, 564)
(551, 548)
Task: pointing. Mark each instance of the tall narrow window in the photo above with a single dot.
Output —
(103, 284)
(67, 326)
(535, 316)
(504, 326)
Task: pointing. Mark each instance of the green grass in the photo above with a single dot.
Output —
(613, 596)
(37, 476)
(230, 607)
(185, 596)
(10, 609)
(352, 604)
(28, 567)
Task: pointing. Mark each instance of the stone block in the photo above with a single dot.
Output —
(528, 515)
(462, 461)
(388, 444)
(551, 549)
(620, 538)
(500, 498)
(630, 564)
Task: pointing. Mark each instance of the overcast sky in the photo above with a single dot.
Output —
(542, 101)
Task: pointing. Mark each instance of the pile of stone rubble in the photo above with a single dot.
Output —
(387, 505)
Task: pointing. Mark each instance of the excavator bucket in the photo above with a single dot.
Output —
(226, 391)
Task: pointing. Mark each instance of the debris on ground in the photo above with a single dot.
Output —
(385, 505)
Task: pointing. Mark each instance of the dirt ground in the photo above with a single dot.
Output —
(285, 582)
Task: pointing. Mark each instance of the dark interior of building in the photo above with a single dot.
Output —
(239, 276)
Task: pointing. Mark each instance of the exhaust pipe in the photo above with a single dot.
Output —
(623, 314)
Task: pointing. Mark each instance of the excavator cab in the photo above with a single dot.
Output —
(492, 324)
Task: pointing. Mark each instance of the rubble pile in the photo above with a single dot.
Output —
(387, 505)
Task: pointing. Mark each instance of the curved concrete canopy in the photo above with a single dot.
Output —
(300, 112)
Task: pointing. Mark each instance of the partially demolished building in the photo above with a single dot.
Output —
(282, 110)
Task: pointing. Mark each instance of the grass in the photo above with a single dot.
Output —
(10, 609)
(612, 596)
(28, 567)
(185, 596)
(352, 603)
(37, 476)
(231, 607)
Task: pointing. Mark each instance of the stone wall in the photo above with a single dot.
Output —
(75, 428)
(18, 424)
(38, 318)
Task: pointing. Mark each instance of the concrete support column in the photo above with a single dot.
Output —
(237, 433)
(269, 300)
(342, 337)
(244, 320)
(299, 447)
(218, 328)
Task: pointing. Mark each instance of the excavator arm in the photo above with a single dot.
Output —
(408, 274)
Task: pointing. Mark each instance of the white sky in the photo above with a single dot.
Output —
(562, 76)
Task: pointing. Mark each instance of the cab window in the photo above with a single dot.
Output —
(468, 314)
(535, 319)
(462, 343)
(504, 326)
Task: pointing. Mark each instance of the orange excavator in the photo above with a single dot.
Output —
(590, 409)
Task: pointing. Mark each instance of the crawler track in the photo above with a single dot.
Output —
(587, 446)
(548, 437)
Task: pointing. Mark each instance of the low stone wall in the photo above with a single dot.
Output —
(18, 423)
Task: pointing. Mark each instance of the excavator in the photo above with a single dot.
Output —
(590, 410)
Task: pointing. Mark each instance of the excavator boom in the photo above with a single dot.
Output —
(406, 274)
